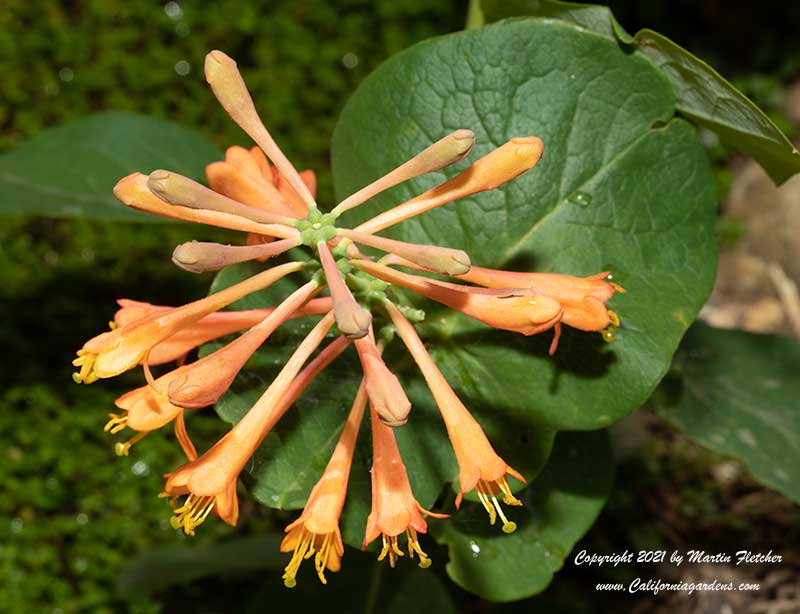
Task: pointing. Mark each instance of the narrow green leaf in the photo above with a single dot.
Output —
(163, 567)
(708, 99)
(592, 17)
(737, 393)
(559, 507)
(70, 170)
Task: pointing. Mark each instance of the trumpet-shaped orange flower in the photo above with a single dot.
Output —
(111, 353)
(210, 480)
(479, 466)
(395, 511)
(208, 328)
(203, 382)
(583, 298)
(516, 309)
(316, 532)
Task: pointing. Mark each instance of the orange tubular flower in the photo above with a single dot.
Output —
(210, 480)
(114, 352)
(316, 532)
(480, 468)
(206, 329)
(583, 298)
(395, 511)
(516, 309)
(203, 382)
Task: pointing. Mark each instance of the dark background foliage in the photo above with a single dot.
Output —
(71, 514)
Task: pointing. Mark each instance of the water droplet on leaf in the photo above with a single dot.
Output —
(581, 199)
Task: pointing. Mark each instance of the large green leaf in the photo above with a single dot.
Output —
(70, 170)
(703, 95)
(294, 455)
(559, 507)
(162, 567)
(622, 184)
(737, 393)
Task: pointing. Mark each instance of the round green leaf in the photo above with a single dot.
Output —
(622, 185)
(558, 508)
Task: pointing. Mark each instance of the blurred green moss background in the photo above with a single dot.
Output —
(71, 514)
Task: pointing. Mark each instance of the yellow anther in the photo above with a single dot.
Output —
(309, 544)
(413, 546)
(192, 513)
(390, 548)
(618, 288)
(487, 494)
(123, 448)
(85, 361)
(112, 325)
(116, 424)
(613, 318)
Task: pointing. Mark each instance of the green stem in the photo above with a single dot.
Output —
(374, 587)
(475, 18)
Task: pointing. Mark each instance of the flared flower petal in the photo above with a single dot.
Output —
(116, 351)
(583, 298)
(316, 532)
(206, 329)
(395, 511)
(210, 480)
(520, 310)
(479, 466)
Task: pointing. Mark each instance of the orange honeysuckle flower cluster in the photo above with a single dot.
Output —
(275, 206)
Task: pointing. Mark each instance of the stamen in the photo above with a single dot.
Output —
(192, 513)
(413, 546)
(449, 150)
(613, 318)
(321, 560)
(390, 548)
(432, 257)
(229, 88)
(85, 361)
(179, 190)
(116, 424)
(483, 496)
(618, 288)
(508, 526)
(200, 257)
(298, 556)
(123, 448)
(487, 494)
